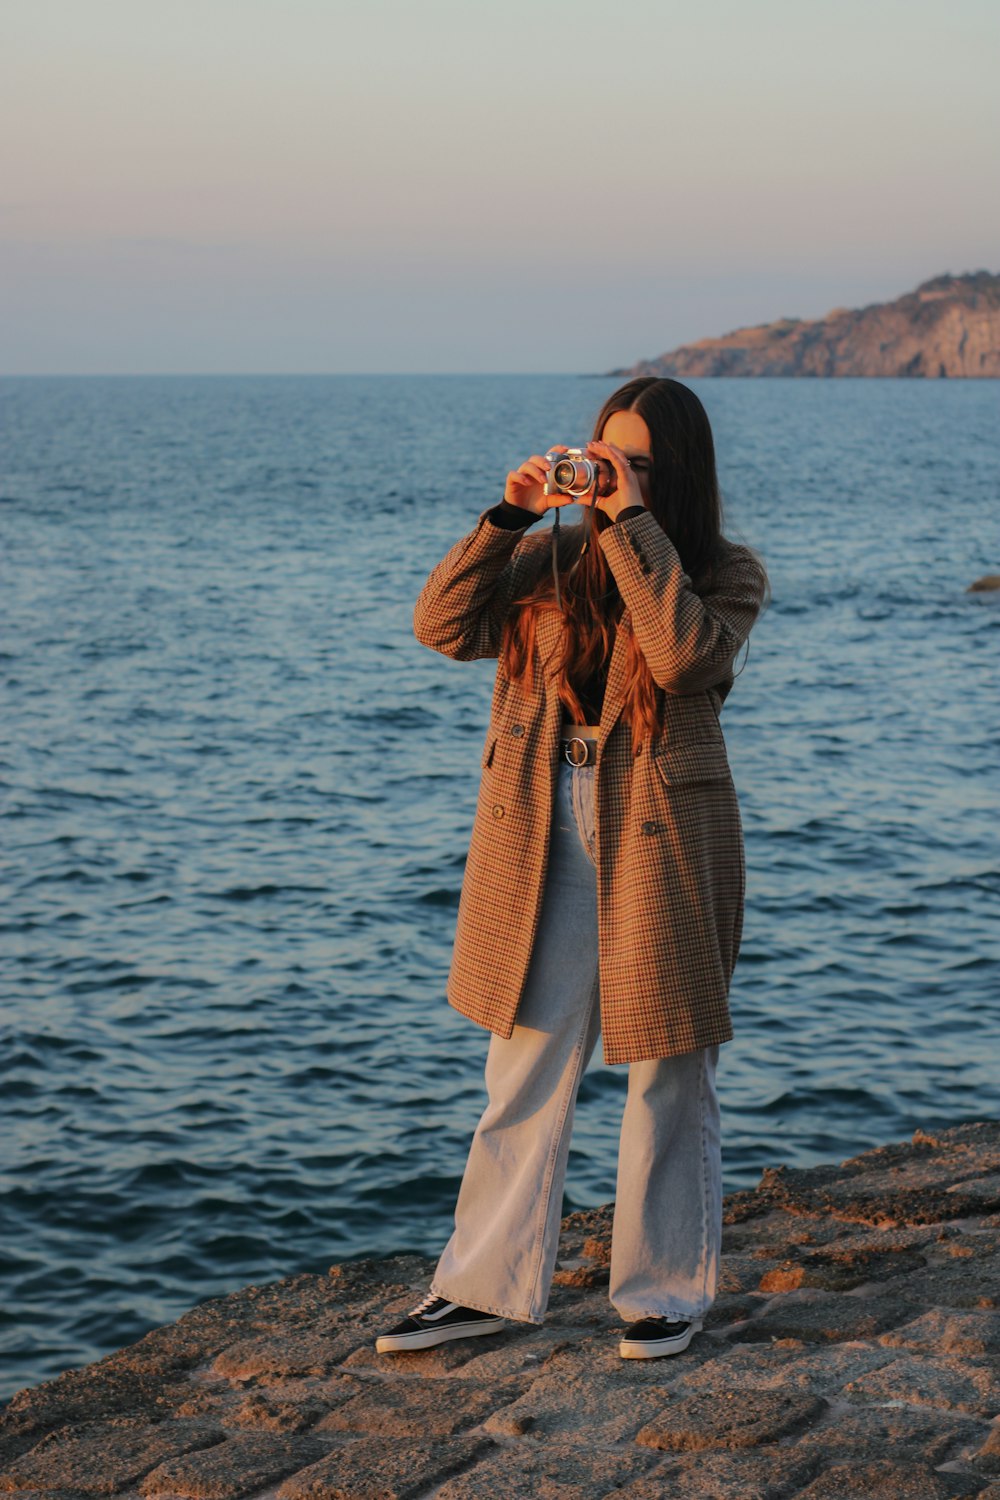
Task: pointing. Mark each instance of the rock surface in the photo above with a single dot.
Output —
(947, 326)
(852, 1351)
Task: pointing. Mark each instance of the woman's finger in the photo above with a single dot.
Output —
(616, 458)
(627, 488)
(615, 454)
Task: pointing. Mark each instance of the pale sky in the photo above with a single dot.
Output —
(216, 186)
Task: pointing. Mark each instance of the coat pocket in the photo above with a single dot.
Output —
(699, 760)
(486, 759)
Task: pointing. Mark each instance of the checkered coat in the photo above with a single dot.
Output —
(671, 874)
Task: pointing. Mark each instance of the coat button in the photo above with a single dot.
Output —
(498, 811)
(650, 827)
(517, 729)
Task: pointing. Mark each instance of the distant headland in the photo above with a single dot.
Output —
(948, 326)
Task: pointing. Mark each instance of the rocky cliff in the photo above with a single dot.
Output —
(947, 326)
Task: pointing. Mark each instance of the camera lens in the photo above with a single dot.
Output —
(564, 474)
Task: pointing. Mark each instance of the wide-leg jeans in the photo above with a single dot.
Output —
(667, 1225)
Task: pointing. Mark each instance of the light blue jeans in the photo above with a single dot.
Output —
(667, 1227)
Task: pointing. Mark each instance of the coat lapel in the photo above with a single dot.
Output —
(549, 638)
(614, 692)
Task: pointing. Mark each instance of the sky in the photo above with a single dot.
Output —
(397, 186)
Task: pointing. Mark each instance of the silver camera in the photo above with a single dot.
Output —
(573, 473)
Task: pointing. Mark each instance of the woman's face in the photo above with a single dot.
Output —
(628, 431)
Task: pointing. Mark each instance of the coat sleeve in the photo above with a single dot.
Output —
(689, 640)
(461, 609)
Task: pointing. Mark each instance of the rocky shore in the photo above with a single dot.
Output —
(852, 1351)
(948, 326)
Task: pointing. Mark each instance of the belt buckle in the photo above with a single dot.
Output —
(568, 745)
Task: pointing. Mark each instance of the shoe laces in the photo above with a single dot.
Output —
(427, 1303)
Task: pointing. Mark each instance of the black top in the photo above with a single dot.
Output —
(591, 692)
(513, 516)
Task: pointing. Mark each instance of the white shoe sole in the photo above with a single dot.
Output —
(657, 1348)
(398, 1343)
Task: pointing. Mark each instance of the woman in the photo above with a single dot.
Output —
(604, 886)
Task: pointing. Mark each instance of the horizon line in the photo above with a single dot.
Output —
(446, 375)
(285, 374)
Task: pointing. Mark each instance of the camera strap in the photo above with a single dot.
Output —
(555, 546)
(555, 557)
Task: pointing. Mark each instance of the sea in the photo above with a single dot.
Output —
(237, 795)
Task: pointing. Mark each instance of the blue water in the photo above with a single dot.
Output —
(237, 797)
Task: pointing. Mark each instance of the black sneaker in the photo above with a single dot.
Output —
(651, 1338)
(436, 1321)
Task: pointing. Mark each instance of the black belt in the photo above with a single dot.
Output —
(578, 744)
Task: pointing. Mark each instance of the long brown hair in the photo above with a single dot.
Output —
(685, 500)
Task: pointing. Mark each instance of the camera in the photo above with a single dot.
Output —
(573, 473)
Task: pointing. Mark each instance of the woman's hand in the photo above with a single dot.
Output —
(627, 492)
(526, 486)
